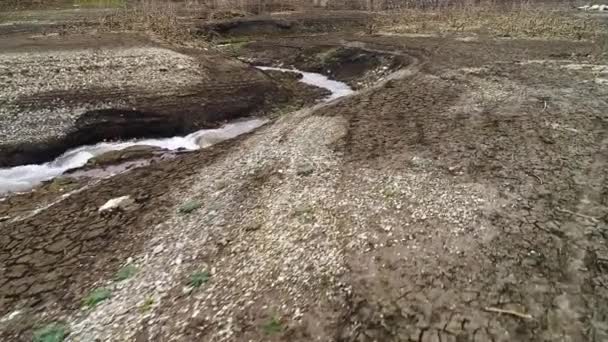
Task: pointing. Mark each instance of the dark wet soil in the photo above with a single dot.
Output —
(355, 66)
(285, 23)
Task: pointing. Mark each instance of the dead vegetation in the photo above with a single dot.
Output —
(156, 17)
(170, 20)
(517, 21)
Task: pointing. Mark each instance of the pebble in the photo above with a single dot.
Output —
(158, 249)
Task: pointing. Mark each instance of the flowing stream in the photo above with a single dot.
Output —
(25, 177)
(337, 88)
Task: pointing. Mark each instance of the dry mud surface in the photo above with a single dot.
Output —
(461, 198)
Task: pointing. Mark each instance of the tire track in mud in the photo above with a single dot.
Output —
(535, 263)
(584, 298)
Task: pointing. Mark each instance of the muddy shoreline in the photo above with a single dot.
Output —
(187, 109)
(58, 99)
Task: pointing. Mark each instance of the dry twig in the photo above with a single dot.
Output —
(508, 312)
(594, 219)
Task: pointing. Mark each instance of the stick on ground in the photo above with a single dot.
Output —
(508, 312)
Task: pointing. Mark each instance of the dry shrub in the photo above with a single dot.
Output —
(514, 21)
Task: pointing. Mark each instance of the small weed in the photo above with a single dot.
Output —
(97, 296)
(273, 326)
(234, 49)
(198, 279)
(233, 40)
(54, 332)
(284, 110)
(328, 56)
(190, 206)
(390, 192)
(147, 305)
(62, 184)
(305, 214)
(125, 273)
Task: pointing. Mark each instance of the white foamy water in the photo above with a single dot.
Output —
(596, 7)
(338, 89)
(25, 177)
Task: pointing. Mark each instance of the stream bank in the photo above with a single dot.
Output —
(25, 177)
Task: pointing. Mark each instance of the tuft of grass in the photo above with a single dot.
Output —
(125, 272)
(233, 40)
(273, 326)
(190, 206)
(54, 332)
(198, 279)
(97, 296)
(233, 49)
(147, 305)
(390, 192)
(283, 110)
(305, 213)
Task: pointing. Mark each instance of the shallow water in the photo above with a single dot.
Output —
(25, 177)
(337, 88)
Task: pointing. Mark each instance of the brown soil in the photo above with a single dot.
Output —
(356, 66)
(282, 23)
(463, 198)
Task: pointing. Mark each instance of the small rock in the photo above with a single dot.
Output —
(10, 316)
(223, 242)
(304, 169)
(190, 206)
(158, 249)
(123, 203)
(253, 227)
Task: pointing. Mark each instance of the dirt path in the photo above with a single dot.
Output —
(463, 199)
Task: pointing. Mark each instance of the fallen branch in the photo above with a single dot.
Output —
(594, 219)
(535, 176)
(508, 312)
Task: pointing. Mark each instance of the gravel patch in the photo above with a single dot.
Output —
(278, 241)
(45, 92)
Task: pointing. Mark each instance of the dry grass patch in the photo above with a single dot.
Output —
(160, 18)
(519, 22)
